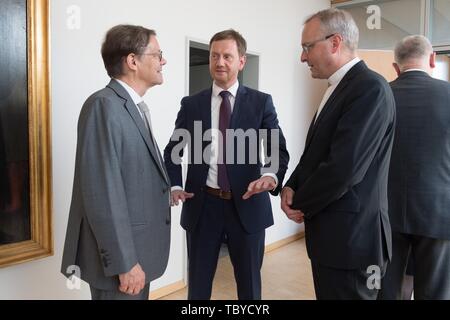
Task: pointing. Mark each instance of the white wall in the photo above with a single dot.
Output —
(271, 27)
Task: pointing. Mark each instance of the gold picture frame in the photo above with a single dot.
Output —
(39, 128)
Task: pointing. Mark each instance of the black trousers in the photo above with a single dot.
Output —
(98, 294)
(219, 220)
(342, 284)
(430, 260)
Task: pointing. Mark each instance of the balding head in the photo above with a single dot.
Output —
(414, 52)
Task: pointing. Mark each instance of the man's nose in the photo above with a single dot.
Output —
(220, 61)
(303, 56)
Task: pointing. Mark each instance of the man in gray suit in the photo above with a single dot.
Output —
(118, 233)
(419, 176)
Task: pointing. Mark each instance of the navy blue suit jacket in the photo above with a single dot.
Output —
(252, 110)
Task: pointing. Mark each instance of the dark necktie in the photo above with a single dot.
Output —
(148, 124)
(224, 123)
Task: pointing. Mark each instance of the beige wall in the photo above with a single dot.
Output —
(380, 61)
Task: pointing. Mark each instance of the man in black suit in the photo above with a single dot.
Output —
(419, 176)
(339, 187)
(226, 192)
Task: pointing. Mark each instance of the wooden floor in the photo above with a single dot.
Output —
(286, 275)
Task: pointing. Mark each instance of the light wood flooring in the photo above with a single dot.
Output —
(286, 275)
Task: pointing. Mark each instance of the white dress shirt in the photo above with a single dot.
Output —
(414, 69)
(216, 101)
(333, 82)
(138, 99)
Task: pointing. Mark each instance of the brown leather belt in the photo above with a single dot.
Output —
(225, 195)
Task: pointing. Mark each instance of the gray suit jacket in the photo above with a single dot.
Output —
(120, 210)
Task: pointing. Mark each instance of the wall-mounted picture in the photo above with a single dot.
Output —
(25, 163)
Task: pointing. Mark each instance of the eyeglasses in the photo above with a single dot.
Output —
(308, 46)
(155, 54)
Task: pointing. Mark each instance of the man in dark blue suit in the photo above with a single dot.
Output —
(225, 194)
(339, 187)
(419, 175)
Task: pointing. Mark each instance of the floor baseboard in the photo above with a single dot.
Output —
(283, 242)
(166, 290)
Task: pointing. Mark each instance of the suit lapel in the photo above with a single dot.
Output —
(138, 121)
(204, 105)
(237, 110)
(310, 131)
(330, 102)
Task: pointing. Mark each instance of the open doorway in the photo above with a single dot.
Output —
(199, 77)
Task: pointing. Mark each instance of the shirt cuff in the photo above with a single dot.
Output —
(176, 188)
(273, 176)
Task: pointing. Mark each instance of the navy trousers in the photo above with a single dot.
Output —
(219, 220)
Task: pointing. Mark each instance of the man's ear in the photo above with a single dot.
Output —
(130, 61)
(336, 42)
(433, 60)
(397, 68)
(242, 61)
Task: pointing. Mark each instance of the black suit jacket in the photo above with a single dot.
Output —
(340, 182)
(419, 179)
(252, 110)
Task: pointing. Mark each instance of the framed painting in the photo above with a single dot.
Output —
(25, 120)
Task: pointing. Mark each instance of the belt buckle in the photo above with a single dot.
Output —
(225, 195)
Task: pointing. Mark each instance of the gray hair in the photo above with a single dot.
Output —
(415, 47)
(341, 22)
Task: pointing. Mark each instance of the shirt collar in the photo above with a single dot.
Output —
(216, 90)
(409, 70)
(133, 94)
(339, 74)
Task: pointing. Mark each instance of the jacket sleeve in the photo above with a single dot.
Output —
(275, 145)
(292, 181)
(174, 150)
(103, 194)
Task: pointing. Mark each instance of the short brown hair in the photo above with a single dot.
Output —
(233, 35)
(120, 41)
